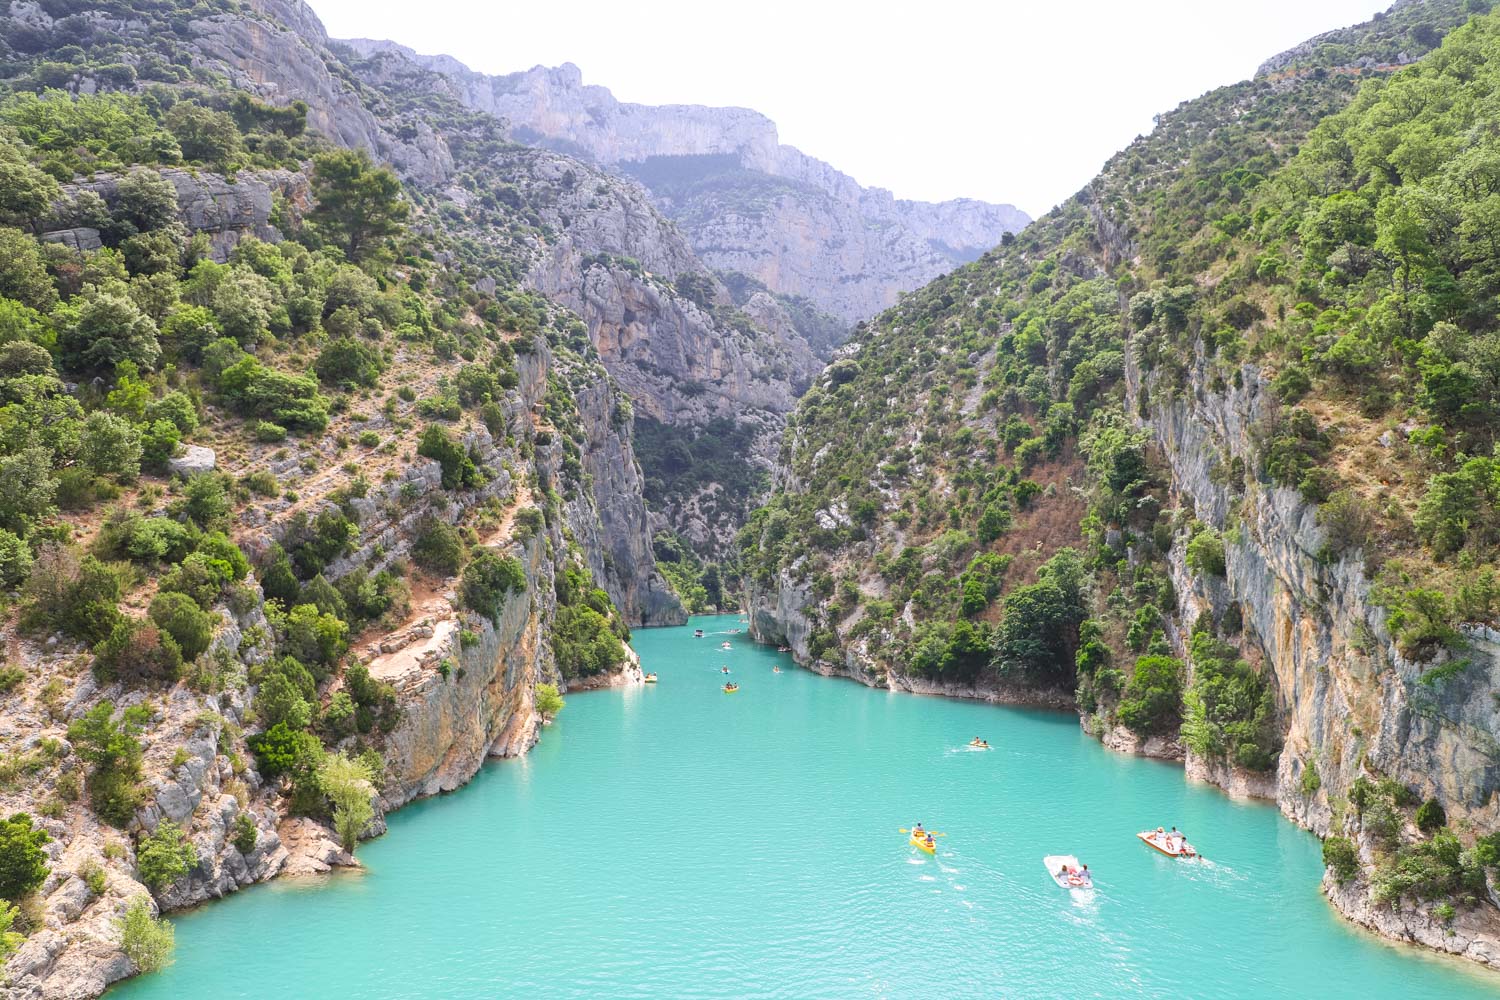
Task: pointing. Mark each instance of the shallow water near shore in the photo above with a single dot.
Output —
(674, 841)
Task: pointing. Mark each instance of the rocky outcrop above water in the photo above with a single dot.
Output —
(1351, 702)
(747, 203)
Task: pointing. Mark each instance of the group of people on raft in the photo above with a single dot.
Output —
(1174, 841)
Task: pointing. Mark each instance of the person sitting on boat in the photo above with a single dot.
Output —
(930, 841)
(917, 831)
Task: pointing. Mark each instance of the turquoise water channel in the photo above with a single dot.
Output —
(675, 841)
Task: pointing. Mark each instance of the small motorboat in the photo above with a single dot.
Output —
(783, 649)
(723, 670)
(725, 645)
(650, 678)
(775, 670)
(1067, 872)
(1173, 845)
(923, 843)
(731, 688)
(697, 633)
(978, 744)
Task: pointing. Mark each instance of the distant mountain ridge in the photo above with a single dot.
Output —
(748, 203)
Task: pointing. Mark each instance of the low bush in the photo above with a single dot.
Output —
(147, 940)
(437, 547)
(1340, 854)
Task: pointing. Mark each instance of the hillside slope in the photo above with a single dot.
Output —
(315, 476)
(1194, 453)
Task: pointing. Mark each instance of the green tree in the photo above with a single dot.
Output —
(145, 200)
(347, 363)
(1153, 697)
(459, 470)
(28, 490)
(203, 134)
(285, 696)
(23, 862)
(165, 855)
(113, 749)
(1205, 553)
(26, 193)
(110, 446)
(104, 330)
(437, 547)
(357, 204)
(23, 271)
(348, 785)
(146, 939)
(315, 638)
(548, 701)
(15, 559)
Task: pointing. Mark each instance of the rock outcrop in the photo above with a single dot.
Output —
(747, 203)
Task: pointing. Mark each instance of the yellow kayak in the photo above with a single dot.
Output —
(921, 844)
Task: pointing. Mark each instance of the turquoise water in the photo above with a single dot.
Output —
(675, 841)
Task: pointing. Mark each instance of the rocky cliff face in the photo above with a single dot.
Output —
(1350, 699)
(667, 329)
(747, 203)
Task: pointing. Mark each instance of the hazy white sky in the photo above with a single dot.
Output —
(1006, 100)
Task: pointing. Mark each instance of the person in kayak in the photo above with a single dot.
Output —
(930, 841)
(918, 832)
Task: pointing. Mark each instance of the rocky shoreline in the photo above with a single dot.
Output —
(1473, 934)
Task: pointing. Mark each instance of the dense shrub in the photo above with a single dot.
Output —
(346, 363)
(113, 748)
(488, 581)
(1431, 816)
(179, 616)
(1153, 697)
(77, 596)
(459, 470)
(136, 652)
(437, 547)
(1340, 854)
(1230, 710)
(1205, 552)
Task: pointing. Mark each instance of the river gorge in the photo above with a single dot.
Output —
(672, 840)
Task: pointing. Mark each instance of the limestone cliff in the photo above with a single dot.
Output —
(747, 203)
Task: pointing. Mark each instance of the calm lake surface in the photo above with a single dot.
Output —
(675, 841)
